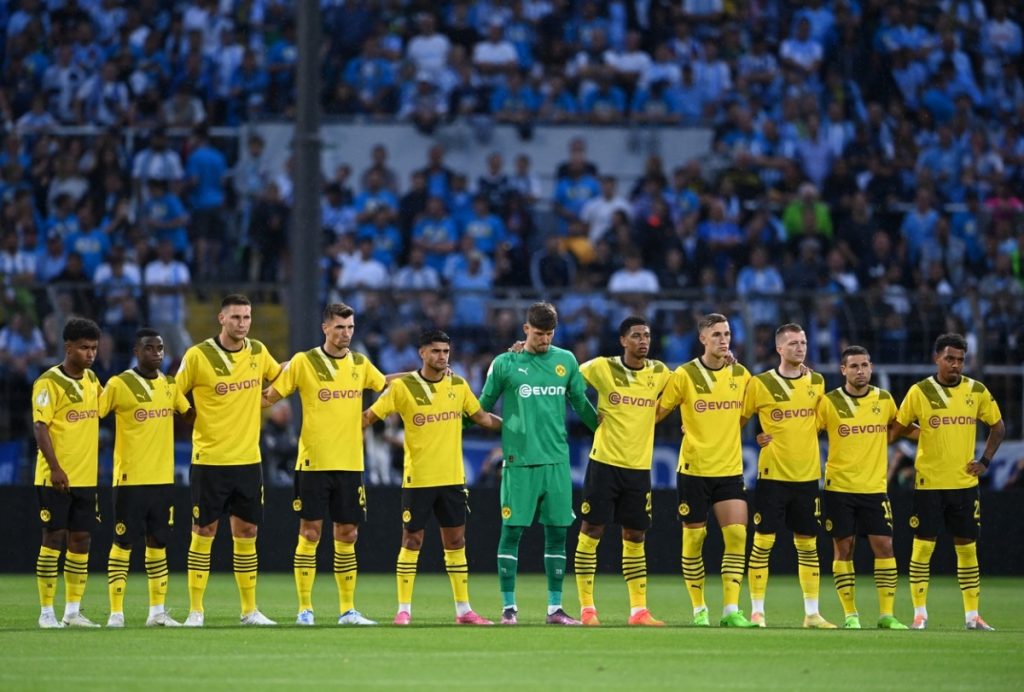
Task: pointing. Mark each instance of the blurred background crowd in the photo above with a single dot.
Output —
(863, 178)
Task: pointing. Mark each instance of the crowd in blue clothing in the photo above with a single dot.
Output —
(866, 160)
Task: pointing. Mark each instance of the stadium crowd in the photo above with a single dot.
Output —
(864, 176)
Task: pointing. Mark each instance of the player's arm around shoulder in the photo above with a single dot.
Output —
(494, 385)
(909, 412)
(385, 405)
(285, 383)
(672, 395)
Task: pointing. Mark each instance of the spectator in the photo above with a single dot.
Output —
(166, 281)
(633, 277)
(417, 275)
(807, 214)
(428, 50)
(435, 235)
(597, 212)
(486, 229)
(758, 284)
(552, 267)
(156, 161)
(206, 169)
(22, 348)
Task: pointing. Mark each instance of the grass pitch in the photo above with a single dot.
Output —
(433, 654)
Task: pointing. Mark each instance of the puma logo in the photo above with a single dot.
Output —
(523, 370)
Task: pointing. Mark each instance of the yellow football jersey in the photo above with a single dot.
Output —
(627, 400)
(432, 416)
(786, 408)
(710, 402)
(331, 390)
(70, 410)
(948, 417)
(144, 434)
(858, 439)
(227, 387)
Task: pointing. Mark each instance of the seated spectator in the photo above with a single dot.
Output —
(435, 234)
(552, 267)
(719, 239)
(758, 283)
(471, 288)
(117, 283)
(794, 217)
(22, 348)
(417, 275)
(372, 77)
(90, 240)
(364, 271)
(494, 56)
(515, 102)
(495, 184)
(375, 197)
(486, 229)
(633, 277)
(558, 103)
(386, 240)
(572, 191)
(167, 280)
(423, 104)
(597, 212)
(657, 104)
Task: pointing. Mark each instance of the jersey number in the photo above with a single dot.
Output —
(977, 510)
(887, 510)
(170, 516)
(817, 507)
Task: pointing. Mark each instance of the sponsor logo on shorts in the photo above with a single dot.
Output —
(428, 418)
(75, 416)
(44, 515)
(297, 505)
(406, 516)
(560, 370)
(506, 512)
(223, 388)
(757, 517)
(845, 430)
(120, 528)
(329, 394)
(779, 414)
(526, 391)
(195, 511)
(615, 399)
(700, 406)
(828, 524)
(936, 421)
(584, 509)
(142, 415)
(914, 522)
(684, 509)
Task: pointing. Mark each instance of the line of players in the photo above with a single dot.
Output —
(716, 396)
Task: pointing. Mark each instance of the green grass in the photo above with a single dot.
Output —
(435, 655)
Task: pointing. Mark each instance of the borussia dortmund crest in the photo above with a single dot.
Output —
(584, 508)
(560, 370)
(406, 516)
(506, 512)
(44, 515)
(684, 509)
(120, 528)
(914, 522)
(297, 505)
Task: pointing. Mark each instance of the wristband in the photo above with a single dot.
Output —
(984, 461)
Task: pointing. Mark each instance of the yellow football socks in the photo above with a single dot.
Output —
(693, 564)
(634, 571)
(585, 565)
(304, 564)
(458, 573)
(46, 575)
(345, 568)
(406, 573)
(733, 563)
(156, 575)
(76, 573)
(844, 576)
(198, 570)
(920, 565)
(117, 576)
(246, 566)
(885, 583)
(969, 576)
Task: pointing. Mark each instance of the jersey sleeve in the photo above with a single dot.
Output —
(821, 412)
(751, 400)
(988, 409)
(909, 409)
(45, 397)
(373, 379)
(591, 372)
(181, 404)
(674, 391)
(388, 402)
(271, 368)
(494, 384)
(577, 394)
(187, 371)
(288, 380)
(108, 397)
(891, 414)
(470, 404)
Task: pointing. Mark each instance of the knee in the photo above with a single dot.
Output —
(78, 542)
(125, 546)
(633, 535)
(412, 541)
(310, 533)
(454, 542)
(54, 540)
(208, 531)
(595, 531)
(346, 533)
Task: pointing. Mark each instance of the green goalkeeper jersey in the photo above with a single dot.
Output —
(534, 388)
